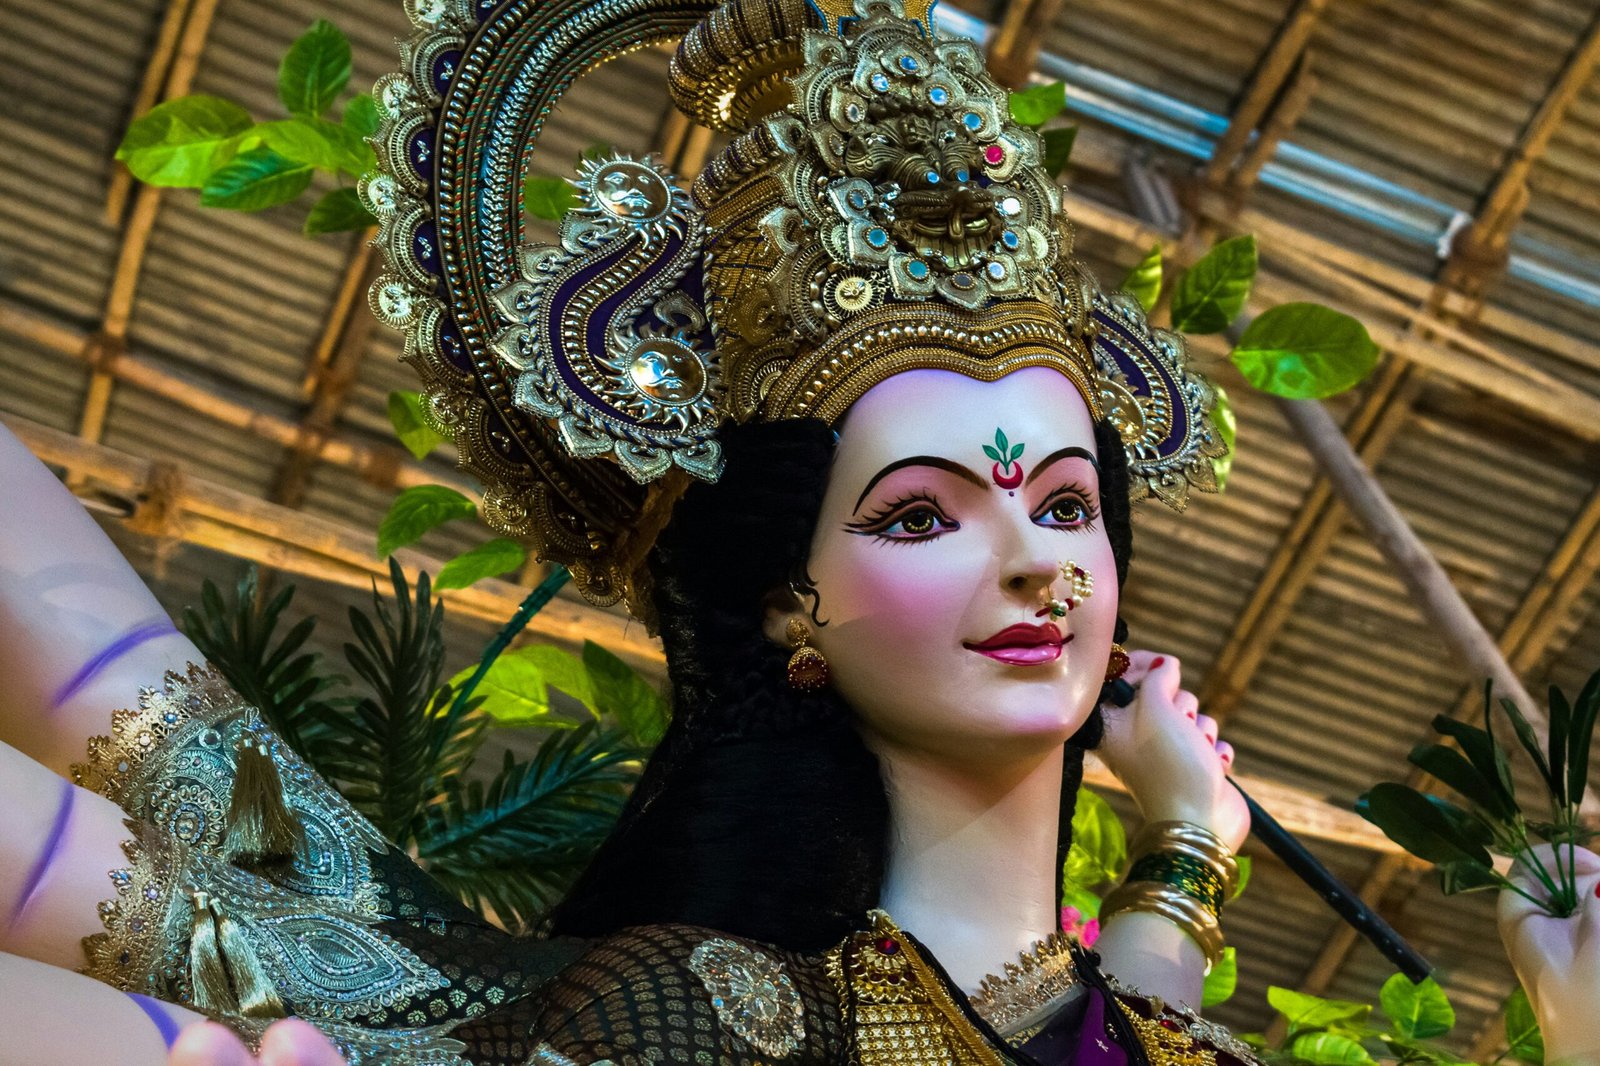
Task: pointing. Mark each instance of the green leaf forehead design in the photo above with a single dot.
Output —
(1003, 452)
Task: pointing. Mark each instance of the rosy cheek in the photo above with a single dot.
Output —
(908, 585)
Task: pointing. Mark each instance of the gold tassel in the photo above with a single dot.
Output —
(260, 828)
(227, 978)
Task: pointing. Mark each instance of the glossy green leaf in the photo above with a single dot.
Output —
(254, 181)
(1058, 148)
(1211, 293)
(1246, 866)
(1099, 848)
(1481, 749)
(1530, 743)
(413, 429)
(315, 70)
(1304, 1011)
(1143, 282)
(1522, 1030)
(1086, 902)
(319, 143)
(1419, 824)
(179, 143)
(622, 693)
(516, 690)
(1223, 979)
(1304, 351)
(361, 115)
(1038, 104)
(1418, 1011)
(597, 150)
(1227, 425)
(418, 510)
(1585, 710)
(548, 198)
(338, 211)
(1330, 1049)
(489, 559)
(1456, 770)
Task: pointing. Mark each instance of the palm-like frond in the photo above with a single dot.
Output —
(400, 743)
(517, 843)
(275, 673)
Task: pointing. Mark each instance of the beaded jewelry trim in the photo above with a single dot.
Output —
(1189, 1022)
(752, 994)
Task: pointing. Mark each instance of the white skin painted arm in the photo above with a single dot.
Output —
(1168, 755)
(66, 594)
(54, 1017)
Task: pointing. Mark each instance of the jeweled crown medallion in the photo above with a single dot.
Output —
(905, 178)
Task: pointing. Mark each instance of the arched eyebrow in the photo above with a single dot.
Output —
(1064, 453)
(920, 460)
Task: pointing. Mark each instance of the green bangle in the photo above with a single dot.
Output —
(1198, 880)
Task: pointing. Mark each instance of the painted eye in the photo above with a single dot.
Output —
(918, 523)
(1067, 511)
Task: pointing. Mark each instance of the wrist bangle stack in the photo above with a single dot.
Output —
(1185, 874)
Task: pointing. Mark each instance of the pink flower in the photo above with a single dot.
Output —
(1073, 924)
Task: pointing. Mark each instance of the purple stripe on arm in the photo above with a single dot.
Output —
(164, 1022)
(116, 650)
(52, 844)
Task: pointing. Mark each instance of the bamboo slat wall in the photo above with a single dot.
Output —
(1433, 95)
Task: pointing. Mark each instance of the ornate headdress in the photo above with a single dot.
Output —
(876, 210)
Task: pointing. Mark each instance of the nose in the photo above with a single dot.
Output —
(1030, 572)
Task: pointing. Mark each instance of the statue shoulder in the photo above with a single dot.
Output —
(677, 993)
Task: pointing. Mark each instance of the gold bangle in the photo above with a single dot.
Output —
(1185, 912)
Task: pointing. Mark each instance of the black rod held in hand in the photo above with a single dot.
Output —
(1306, 866)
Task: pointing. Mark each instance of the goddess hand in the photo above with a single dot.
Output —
(1558, 959)
(1168, 754)
(290, 1042)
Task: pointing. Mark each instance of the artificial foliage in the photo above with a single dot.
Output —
(401, 741)
(1461, 839)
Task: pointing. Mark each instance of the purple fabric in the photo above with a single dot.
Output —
(116, 650)
(52, 844)
(1077, 1036)
(164, 1022)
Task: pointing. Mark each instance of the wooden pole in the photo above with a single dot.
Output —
(1014, 49)
(1272, 70)
(214, 516)
(388, 466)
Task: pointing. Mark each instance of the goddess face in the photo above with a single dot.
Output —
(951, 510)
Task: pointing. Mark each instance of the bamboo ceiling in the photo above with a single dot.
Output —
(216, 388)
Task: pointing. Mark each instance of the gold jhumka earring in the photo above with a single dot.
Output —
(808, 669)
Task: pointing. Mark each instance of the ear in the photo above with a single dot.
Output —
(780, 606)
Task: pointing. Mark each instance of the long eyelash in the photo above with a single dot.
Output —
(1083, 496)
(864, 525)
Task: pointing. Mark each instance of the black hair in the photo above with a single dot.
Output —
(762, 813)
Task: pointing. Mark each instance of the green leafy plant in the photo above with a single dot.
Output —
(1143, 282)
(214, 145)
(1460, 839)
(400, 742)
(1304, 351)
(1209, 295)
(1336, 1032)
(1035, 106)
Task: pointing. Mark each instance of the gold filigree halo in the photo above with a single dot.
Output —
(876, 211)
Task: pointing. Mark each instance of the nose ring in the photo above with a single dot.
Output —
(1080, 586)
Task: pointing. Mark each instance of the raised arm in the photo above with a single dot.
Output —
(79, 632)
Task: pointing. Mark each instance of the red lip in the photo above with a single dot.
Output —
(1022, 635)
